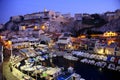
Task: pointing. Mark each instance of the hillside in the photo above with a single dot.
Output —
(113, 25)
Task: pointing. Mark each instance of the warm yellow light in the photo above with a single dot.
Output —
(82, 36)
(108, 34)
(69, 45)
(23, 27)
(110, 41)
(100, 51)
(9, 42)
(35, 27)
(43, 27)
(1, 37)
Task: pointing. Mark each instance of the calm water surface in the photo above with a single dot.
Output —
(89, 72)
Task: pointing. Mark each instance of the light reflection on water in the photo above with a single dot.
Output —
(100, 69)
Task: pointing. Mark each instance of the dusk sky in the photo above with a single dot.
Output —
(21, 7)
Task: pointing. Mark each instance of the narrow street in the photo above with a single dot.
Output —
(6, 72)
(13, 74)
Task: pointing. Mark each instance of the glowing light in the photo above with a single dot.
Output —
(1, 37)
(23, 27)
(69, 45)
(9, 42)
(100, 51)
(109, 34)
(43, 27)
(110, 41)
(82, 36)
(35, 27)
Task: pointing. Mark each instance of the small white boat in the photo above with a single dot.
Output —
(70, 57)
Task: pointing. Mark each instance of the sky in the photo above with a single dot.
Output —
(21, 7)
